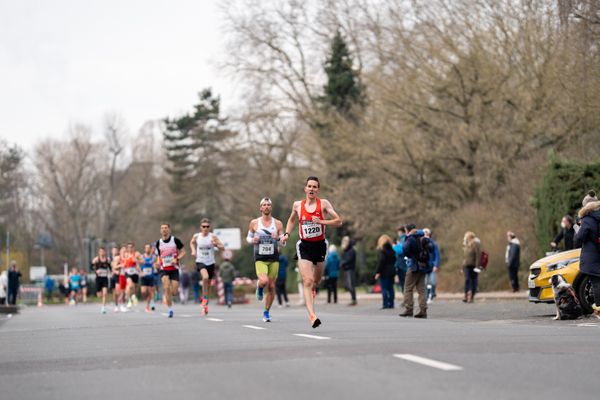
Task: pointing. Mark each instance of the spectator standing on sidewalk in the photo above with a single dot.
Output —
(195, 278)
(332, 266)
(472, 255)
(3, 287)
(385, 272)
(348, 265)
(588, 236)
(227, 274)
(280, 288)
(14, 281)
(435, 267)
(418, 250)
(400, 264)
(49, 285)
(567, 232)
(184, 285)
(513, 259)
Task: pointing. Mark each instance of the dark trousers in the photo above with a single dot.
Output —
(401, 272)
(387, 292)
(331, 286)
(228, 287)
(350, 283)
(12, 295)
(513, 275)
(595, 288)
(471, 278)
(281, 291)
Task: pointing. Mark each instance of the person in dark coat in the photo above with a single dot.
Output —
(14, 281)
(588, 236)
(415, 247)
(567, 232)
(348, 265)
(332, 265)
(386, 258)
(513, 259)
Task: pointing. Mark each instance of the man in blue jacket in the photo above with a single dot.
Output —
(417, 249)
(400, 264)
(434, 262)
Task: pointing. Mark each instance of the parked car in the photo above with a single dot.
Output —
(565, 263)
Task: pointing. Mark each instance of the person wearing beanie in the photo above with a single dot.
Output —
(588, 237)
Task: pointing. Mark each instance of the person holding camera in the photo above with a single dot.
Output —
(588, 237)
(567, 232)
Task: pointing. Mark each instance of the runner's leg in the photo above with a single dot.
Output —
(307, 271)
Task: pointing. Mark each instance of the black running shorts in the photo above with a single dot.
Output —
(101, 282)
(173, 274)
(134, 278)
(314, 252)
(209, 268)
(148, 281)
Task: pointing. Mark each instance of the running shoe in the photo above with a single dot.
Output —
(170, 313)
(129, 304)
(135, 300)
(205, 309)
(314, 321)
(117, 309)
(71, 302)
(152, 307)
(259, 293)
(147, 309)
(266, 316)
(123, 308)
(103, 310)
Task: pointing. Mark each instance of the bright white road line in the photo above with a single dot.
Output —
(588, 325)
(254, 327)
(312, 336)
(429, 362)
(214, 319)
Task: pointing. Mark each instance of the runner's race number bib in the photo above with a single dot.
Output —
(131, 271)
(147, 270)
(168, 261)
(266, 249)
(101, 273)
(311, 230)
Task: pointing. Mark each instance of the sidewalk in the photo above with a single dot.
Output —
(344, 296)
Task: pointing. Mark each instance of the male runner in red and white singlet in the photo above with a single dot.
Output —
(313, 215)
(169, 250)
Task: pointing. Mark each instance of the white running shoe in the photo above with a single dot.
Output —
(123, 308)
(103, 310)
(135, 300)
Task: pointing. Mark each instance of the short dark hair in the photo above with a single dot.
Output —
(205, 221)
(166, 223)
(102, 248)
(313, 178)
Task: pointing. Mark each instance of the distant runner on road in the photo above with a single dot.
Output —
(203, 246)
(263, 233)
(148, 261)
(312, 214)
(133, 259)
(169, 251)
(101, 266)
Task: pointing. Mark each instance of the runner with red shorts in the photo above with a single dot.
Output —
(169, 251)
(312, 213)
(133, 259)
(118, 270)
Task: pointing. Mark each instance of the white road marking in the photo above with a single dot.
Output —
(254, 327)
(429, 362)
(588, 325)
(312, 336)
(214, 319)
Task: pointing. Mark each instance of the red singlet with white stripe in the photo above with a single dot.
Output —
(310, 231)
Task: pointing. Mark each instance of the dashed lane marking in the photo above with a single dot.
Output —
(214, 319)
(258, 328)
(312, 336)
(429, 362)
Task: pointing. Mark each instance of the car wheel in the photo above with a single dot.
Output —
(585, 293)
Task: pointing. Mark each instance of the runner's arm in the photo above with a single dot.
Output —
(181, 248)
(193, 246)
(335, 218)
(217, 243)
(290, 224)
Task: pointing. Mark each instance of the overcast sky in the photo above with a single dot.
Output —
(71, 61)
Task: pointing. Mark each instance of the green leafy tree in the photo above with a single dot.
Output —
(560, 192)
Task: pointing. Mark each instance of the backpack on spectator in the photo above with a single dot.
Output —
(483, 260)
(423, 252)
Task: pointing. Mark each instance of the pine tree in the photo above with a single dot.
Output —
(343, 92)
(193, 144)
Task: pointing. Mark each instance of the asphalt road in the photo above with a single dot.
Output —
(487, 350)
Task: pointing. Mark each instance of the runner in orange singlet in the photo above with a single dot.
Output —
(313, 214)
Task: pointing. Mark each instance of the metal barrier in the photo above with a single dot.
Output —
(30, 294)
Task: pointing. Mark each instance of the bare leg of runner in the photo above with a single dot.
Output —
(310, 273)
(270, 293)
(167, 290)
(205, 289)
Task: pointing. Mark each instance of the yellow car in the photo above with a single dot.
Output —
(566, 264)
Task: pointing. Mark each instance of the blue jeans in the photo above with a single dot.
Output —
(431, 284)
(387, 292)
(228, 286)
(401, 272)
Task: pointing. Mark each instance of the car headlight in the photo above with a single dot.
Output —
(562, 264)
